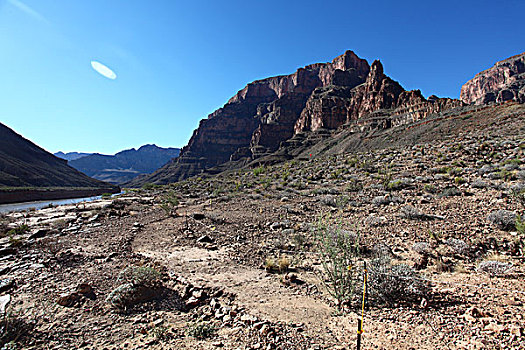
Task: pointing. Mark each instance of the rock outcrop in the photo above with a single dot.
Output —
(259, 118)
(505, 81)
(379, 102)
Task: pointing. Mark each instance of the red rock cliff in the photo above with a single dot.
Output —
(505, 81)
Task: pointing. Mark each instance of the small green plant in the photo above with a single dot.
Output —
(520, 225)
(506, 175)
(430, 188)
(160, 333)
(201, 330)
(258, 171)
(19, 230)
(169, 203)
(459, 180)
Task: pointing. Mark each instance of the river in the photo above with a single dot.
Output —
(7, 208)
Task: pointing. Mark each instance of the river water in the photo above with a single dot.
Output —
(6, 208)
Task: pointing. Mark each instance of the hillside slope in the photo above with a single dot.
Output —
(25, 165)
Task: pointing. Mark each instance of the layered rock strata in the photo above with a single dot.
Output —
(505, 81)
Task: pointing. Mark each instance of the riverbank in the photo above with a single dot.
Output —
(29, 194)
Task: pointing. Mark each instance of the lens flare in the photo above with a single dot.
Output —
(103, 70)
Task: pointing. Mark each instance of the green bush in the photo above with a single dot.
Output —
(339, 250)
(140, 276)
(201, 330)
(19, 230)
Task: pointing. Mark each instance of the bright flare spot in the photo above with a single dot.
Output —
(103, 70)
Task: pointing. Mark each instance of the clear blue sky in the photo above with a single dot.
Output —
(177, 61)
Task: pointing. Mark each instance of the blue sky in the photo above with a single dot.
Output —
(177, 61)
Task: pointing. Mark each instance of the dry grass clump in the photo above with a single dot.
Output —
(281, 264)
(389, 284)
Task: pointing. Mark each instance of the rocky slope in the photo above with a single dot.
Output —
(268, 112)
(503, 82)
(125, 165)
(24, 164)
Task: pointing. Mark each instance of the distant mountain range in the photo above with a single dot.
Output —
(71, 155)
(123, 166)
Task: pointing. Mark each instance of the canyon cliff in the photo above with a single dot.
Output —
(266, 113)
(505, 81)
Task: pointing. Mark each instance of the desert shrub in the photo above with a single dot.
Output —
(325, 190)
(494, 268)
(450, 191)
(375, 221)
(422, 248)
(389, 283)
(149, 186)
(354, 186)
(335, 201)
(479, 184)
(169, 202)
(413, 213)
(504, 219)
(19, 230)
(518, 193)
(486, 169)
(398, 184)
(386, 200)
(201, 330)
(339, 250)
(4, 228)
(140, 276)
(281, 264)
(459, 246)
(122, 296)
(139, 284)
